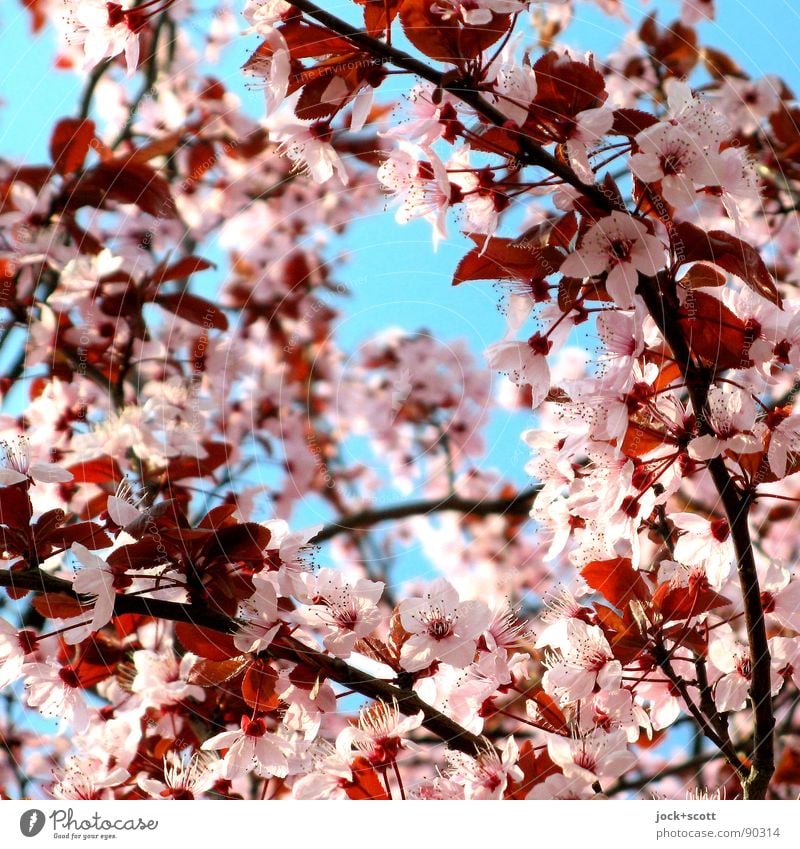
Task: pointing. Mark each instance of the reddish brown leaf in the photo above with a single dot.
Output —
(179, 270)
(212, 673)
(69, 144)
(58, 606)
(193, 467)
(734, 255)
(685, 602)
(550, 711)
(212, 645)
(365, 783)
(193, 308)
(123, 181)
(788, 770)
(447, 39)
(15, 506)
(507, 259)
(631, 122)
(258, 687)
(375, 14)
(90, 534)
(616, 580)
(103, 470)
(713, 333)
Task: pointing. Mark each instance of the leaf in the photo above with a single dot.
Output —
(713, 333)
(123, 181)
(365, 783)
(549, 710)
(375, 14)
(103, 470)
(205, 642)
(691, 244)
(212, 673)
(631, 122)
(16, 509)
(180, 468)
(702, 276)
(218, 517)
(686, 602)
(616, 580)
(58, 606)
(69, 144)
(90, 534)
(258, 687)
(448, 40)
(193, 308)
(507, 259)
(179, 270)
(788, 769)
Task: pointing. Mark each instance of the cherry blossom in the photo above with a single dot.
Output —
(441, 627)
(17, 466)
(623, 248)
(252, 747)
(585, 661)
(344, 613)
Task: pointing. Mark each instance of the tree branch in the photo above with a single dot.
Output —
(533, 153)
(662, 304)
(517, 505)
(289, 649)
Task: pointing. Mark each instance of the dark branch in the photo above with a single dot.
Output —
(517, 505)
(289, 649)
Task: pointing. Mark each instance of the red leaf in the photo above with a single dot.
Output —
(193, 467)
(616, 580)
(734, 255)
(205, 642)
(365, 783)
(15, 506)
(58, 606)
(212, 673)
(218, 517)
(686, 602)
(103, 470)
(194, 309)
(788, 770)
(550, 711)
(69, 144)
(181, 269)
(258, 687)
(375, 14)
(123, 181)
(714, 334)
(90, 534)
(507, 259)
(448, 39)
(631, 122)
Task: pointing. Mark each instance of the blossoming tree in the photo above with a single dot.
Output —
(628, 624)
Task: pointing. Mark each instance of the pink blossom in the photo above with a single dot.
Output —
(344, 612)
(252, 747)
(620, 246)
(595, 757)
(56, 691)
(105, 30)
(16, 465)
(584, 661)
(379, 734)
(95, 580)
(441, 627)
(259, 617)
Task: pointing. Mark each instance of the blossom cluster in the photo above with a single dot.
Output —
(171, 294)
